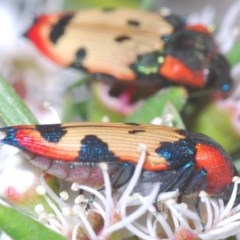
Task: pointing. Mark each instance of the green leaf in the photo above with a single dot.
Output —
(147, 4)
(13, 111)
(21, 227)
(97, 110)
(73, 111)
(216, 123)
(233, 55)
(73, 4)
(155, 105)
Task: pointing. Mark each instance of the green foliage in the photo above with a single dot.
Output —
(22, 227)
(216, 123)
(155, 106)
(73, 4)
(233, 55)
(13, 111)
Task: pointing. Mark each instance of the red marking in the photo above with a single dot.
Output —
(177, 72)
(219, 169)
(32, 141)
(38, 34)
(198, 28)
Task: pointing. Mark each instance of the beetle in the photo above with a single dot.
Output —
(177, 158)
(126, 47)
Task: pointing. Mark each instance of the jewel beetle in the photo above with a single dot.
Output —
(132, 47)
(176, 158)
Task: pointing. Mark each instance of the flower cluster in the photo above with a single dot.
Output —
(101, 215)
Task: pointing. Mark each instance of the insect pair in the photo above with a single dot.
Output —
(130, 48)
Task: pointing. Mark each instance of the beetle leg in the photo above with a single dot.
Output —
(198, 181)
(178, 180)
(89, 202)
(123, 175)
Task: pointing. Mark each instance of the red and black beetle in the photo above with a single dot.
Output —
(177, 158)
(133, 47)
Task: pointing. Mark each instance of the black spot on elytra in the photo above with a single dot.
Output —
(51, 133)
(59, 28)
(177, 153)
(122, 38)
(136, 131)
(80, 55)
(132, 124)
(78, 60)
(95, 150)
(133, 23)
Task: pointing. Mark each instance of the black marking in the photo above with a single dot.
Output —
(177, 153)
(59, 28)
(80, 55)
(133, 124)
(136, 131)
(95, 150)
(219, 74)
(122, 38)
(194, 49)
(134, 23)
(51, 133)
(176, 21)
(10, 136)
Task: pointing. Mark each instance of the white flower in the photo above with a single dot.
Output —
(108, 212)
